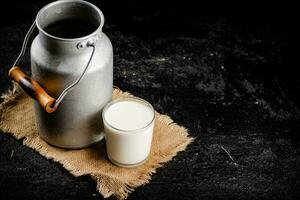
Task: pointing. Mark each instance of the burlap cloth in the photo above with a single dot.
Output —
(17, 118)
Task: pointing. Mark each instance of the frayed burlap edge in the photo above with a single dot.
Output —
(107, 186)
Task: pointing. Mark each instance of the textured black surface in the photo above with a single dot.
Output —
(224, 71)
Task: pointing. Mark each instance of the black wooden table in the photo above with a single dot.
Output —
(222, 71)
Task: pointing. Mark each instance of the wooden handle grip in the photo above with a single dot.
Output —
(32, 88)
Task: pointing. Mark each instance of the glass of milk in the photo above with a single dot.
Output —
(128, 128)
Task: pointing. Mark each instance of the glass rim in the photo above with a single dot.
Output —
(122, 99)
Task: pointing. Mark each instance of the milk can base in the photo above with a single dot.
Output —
(101, 139)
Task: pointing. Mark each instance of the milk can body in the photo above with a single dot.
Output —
(58, 62)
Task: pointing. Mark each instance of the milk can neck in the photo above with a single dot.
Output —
(64, 24)
(66, 46)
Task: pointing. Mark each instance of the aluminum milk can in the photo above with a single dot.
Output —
(72, 75)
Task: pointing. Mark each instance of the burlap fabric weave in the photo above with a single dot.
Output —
(17, 118)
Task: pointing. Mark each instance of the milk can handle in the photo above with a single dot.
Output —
(33, 88)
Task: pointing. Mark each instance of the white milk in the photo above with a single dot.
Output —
(128, 127)
(128, 115)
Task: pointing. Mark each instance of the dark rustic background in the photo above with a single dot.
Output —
(227, 71)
